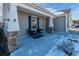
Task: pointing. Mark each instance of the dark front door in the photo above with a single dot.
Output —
(33, 23)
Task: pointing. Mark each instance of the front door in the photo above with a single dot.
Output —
(34, 22)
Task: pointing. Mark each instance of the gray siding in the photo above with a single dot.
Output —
(60, 24)
(42, 23)
(23, 22)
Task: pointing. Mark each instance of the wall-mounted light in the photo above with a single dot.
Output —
(14, 20)
(8, 19)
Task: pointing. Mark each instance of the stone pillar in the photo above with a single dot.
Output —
(13, 28)
(13, 40)
(50, 25)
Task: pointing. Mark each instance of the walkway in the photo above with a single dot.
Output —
(37, 47)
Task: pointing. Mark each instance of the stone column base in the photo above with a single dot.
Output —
(50, 29)
(13, 40)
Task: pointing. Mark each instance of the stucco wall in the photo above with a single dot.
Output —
(60, 24)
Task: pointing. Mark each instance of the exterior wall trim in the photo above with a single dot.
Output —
(30, 7)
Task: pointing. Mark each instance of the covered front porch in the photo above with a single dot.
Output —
(32, 22)
(24, 18)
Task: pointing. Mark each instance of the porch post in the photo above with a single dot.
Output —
(51, 25)
(66, 15)
(13, 28)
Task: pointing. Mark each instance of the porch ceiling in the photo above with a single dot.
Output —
(32, 10)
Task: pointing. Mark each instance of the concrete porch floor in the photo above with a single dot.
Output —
(37, 47)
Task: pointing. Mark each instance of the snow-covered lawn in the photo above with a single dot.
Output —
(64, 44)
(42, 46)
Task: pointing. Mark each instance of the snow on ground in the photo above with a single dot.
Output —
(54, 51)
(42, 46)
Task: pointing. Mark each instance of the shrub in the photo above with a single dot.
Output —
(3, 43)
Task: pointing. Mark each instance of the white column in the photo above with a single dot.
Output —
(51, 22)
(13, 24)
(70, 19)
(50, 25)
(66, 15)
